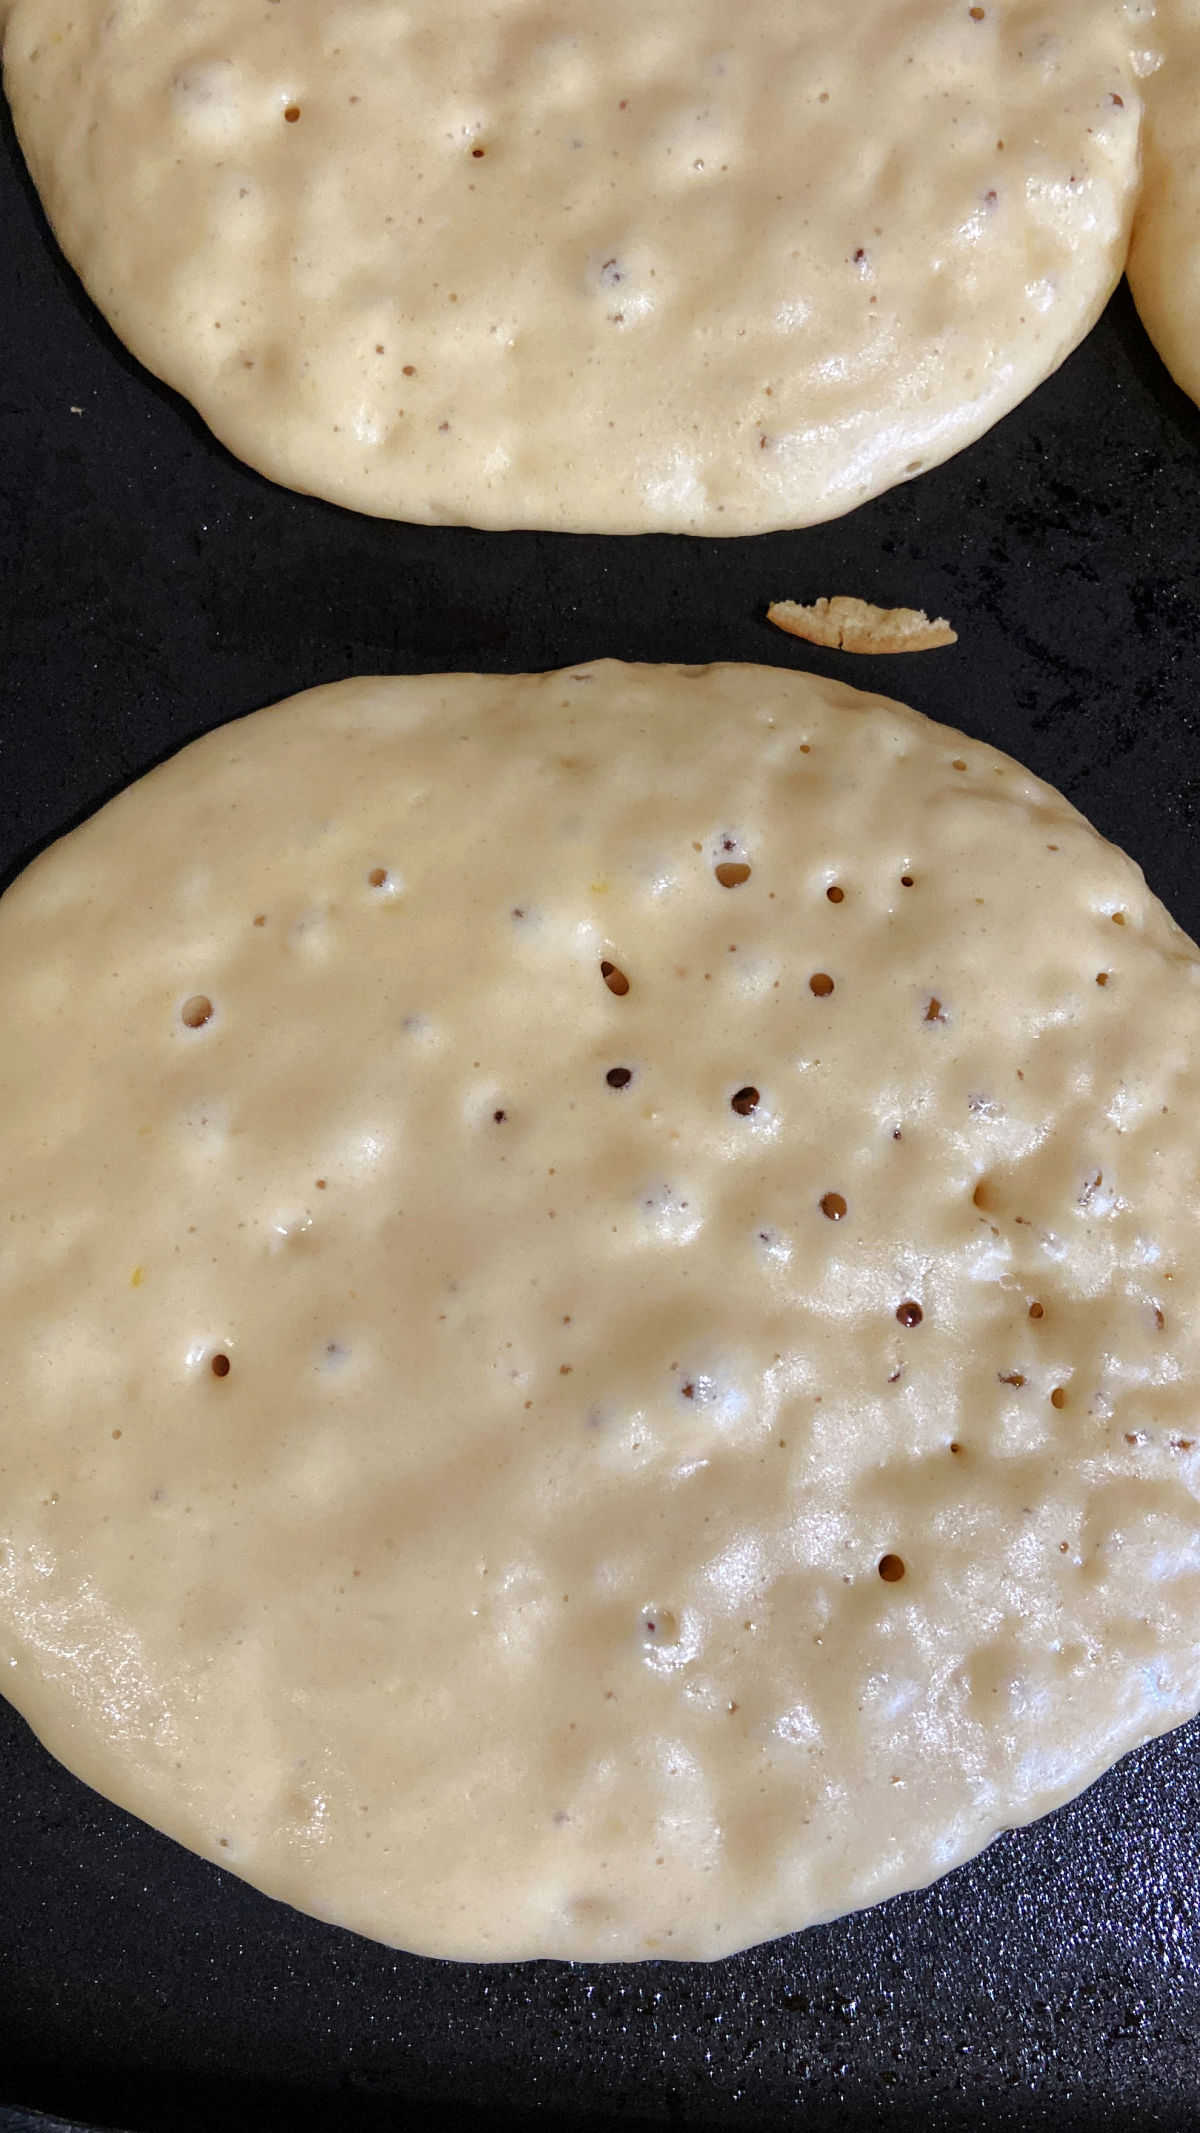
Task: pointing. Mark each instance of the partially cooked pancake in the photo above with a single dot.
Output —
(599, 1297)
(1164, 262)
(681, 267)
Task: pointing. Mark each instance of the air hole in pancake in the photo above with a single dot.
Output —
(955, 1447)
(909, 1314)
(378, 877)
(619, 1077)
(220, 1365)
(958, 763)
(745, 1101)
(1118, 918)
(197, 1011)
(1102, 977)
(498, 1117)
(615, 979)
(659, 1626)
(1037, 1310)
(907, 881)
(477, 152)
(731, 873)
(833, 1205)
(835, 895)
(821, 984)
(1058, 1397)
(983, 1197)
(891, 1569)
(292, 114)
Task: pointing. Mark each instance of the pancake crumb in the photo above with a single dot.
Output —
(845, 624)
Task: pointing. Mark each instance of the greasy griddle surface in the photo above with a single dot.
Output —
(151, 588)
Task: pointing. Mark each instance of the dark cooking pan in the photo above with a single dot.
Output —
(153, 587)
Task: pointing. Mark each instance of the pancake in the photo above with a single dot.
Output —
(686, 270)
(598, 1292)
(1164, 261)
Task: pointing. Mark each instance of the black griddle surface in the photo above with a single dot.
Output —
(153, 587)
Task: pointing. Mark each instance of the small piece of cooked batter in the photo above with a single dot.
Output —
(848, 625)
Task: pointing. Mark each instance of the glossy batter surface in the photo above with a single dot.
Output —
(680, 267)
(598, 1302)
(1164, 263)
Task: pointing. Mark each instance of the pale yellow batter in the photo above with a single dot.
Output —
(1164, 263)
(686, 266)
(600, 1305)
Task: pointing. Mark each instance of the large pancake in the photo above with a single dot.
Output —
(684, 267)
(599, 1292)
